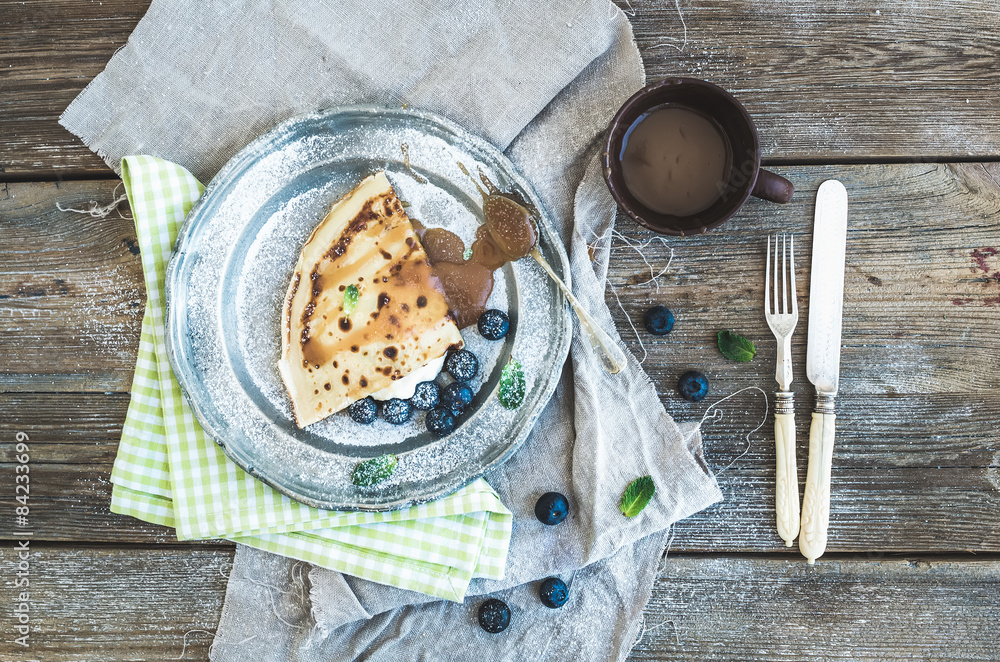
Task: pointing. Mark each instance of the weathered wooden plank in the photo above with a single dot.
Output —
(912, 510)
(853, 79)
(862, 609)
(145, 603)
(922, 290)
(860, 80)
(51, 50)
(937, 431)
(919, 366)
(96, 603)
(898, 485)
(71, 289)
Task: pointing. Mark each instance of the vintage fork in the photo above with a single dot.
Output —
(782, 314)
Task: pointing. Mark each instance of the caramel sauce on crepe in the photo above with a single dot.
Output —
(507, 234)
(332, 356)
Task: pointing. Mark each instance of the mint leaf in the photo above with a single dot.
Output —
(636, 496)
(350, 299)
(735, 347)
(512, 385)
(467, 253)
(375, 470)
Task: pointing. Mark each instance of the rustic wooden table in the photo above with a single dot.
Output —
(899, 100)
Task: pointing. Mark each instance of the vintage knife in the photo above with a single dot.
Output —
(826, 301)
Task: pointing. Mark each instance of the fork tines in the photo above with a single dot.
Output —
(783, 304)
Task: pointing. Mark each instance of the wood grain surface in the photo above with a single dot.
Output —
(859, 81)
(915, 466)
(897, 100)
(166, 602)
(104, 604)
(866, 609)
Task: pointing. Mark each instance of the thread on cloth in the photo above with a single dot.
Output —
(718, 415)
(215, 640)
(673, 626)
(628, 319)
(274, 606)
(666, 552)
(684, 41)
(99, 211)
(643, 631)
(299, 580)
(638, 247)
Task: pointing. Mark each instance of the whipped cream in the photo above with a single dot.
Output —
(405, 388)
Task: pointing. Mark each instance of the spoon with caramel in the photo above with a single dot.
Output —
(507, 234)
(513, 221)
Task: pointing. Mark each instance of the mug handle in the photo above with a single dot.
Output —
(772, 187)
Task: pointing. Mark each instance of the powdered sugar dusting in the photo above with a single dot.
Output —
(229, 285)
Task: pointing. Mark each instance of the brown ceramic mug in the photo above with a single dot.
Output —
(746, 177)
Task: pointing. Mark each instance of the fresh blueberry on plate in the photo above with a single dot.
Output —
(693, 386)
(440, 421)
(462, 365)
(551, 508)
(363, 411)
(494, 615)
(426, 396)
(396, 411)
(658, 320)
(553, 593)
(493, 324)
(456, 396)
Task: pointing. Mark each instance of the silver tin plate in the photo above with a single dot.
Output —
(231, 268)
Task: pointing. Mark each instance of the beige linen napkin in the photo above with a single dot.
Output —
(539, 80)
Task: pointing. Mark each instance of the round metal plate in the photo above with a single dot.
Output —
(231, 268)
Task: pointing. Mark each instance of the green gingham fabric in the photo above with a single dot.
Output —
(169, 471)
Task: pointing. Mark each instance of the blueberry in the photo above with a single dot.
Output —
(551, 508)
(462, 365)
(693, 386)
(494, 615)
(659, 320)
(493, 324)
(456, 396)
(426, 396)
(363, 411)
(440, 421)
(553, 593)
(396, 411)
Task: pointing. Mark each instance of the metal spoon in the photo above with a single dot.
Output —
(611, 355)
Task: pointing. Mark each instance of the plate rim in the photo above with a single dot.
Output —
(181, 254)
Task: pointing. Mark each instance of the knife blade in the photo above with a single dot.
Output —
(826, 287)
(826, 302)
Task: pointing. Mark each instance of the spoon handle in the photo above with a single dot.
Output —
(611, 355)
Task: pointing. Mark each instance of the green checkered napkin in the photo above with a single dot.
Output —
(168, 471)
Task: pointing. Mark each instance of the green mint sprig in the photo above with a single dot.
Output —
(735, 347)
(636, 496)
(512, 384)
(374, 471)
(350, 299)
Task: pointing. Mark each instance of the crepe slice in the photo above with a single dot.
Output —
(335, 350)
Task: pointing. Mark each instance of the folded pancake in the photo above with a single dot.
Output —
(330, 356)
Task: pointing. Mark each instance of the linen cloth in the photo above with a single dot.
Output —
(540, 81)
(434, 548)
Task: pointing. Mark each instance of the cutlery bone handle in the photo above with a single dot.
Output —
(786, 484)
(816, 501)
